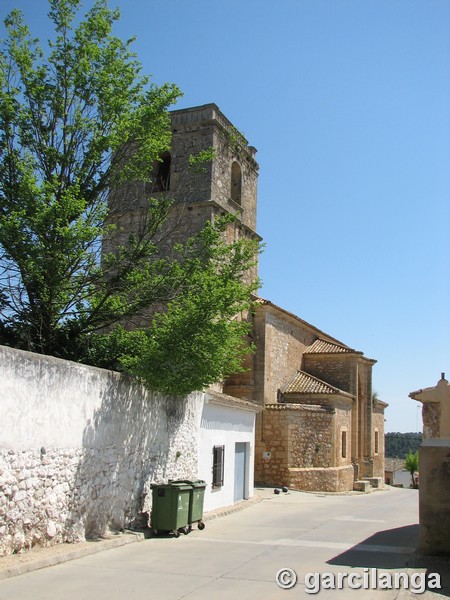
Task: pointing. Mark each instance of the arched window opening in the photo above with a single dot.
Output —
(162, 168)
(236, 182)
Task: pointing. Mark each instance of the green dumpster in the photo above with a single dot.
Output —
(170, 507)
(196, 501)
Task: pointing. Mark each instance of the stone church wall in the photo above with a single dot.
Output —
(284, 343)
(378, 441)
(271, 448)
(342, 425)
(296, 446)
(79, 447)
(337, 370)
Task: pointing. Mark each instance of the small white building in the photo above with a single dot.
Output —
(226, 446)
(396, 474)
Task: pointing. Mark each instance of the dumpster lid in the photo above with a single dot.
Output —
(181, 485)
(171, 484)
(194, 482)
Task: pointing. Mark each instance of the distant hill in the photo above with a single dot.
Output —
(399, 444)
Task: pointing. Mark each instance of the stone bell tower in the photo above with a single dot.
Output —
(227, 184)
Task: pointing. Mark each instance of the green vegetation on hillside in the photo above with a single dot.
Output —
(398, 445)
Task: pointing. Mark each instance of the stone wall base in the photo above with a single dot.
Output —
(362, 485)
(332, 479)
(375, 482)
(79, 448)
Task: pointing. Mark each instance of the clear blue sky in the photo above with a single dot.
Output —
(348, 104)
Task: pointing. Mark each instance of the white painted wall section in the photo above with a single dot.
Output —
(225, 426)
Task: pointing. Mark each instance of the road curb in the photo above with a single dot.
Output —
(63, 554)
(233, 508)
(66, 552)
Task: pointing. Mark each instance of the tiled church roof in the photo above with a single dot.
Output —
(323, 347)
(308, 408)
(303, 383)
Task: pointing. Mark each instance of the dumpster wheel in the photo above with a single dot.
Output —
(176, 533)
(201, 525)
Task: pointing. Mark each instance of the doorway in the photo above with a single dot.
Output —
(240, 461)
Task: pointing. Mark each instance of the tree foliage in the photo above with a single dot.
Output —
(412, 465)
(199, 339)
(76, 121)
(66, 122)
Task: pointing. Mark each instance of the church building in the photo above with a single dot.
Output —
(318, 428)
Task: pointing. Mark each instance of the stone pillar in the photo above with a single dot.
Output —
(434, 496)
(355, 436)
(434, 468)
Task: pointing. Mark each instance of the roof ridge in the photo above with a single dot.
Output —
(305, 383)
(324, 346)
(264, 302)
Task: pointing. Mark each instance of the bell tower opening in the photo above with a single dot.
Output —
(236, 182)
(161, 168)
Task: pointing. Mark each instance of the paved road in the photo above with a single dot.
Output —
(238, 555)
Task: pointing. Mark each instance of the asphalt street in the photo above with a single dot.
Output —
(355, 539)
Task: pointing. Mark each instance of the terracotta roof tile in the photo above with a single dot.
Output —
(313, 408)
(221, 399)
(324, 347)
(303, 383)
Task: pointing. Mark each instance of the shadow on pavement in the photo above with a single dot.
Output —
(394, 549)
(388, 549)
(433, 564)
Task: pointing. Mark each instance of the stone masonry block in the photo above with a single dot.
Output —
(361, 486)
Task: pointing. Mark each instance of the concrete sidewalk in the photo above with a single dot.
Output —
(240, 553)
(40, 558)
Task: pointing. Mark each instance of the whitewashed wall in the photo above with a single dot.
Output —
(402, 477)
(79, 447)
(224, 426)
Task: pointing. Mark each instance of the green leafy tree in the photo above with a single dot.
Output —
(412, 465)
(76, 122)
(200, 338)
(66, 122)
